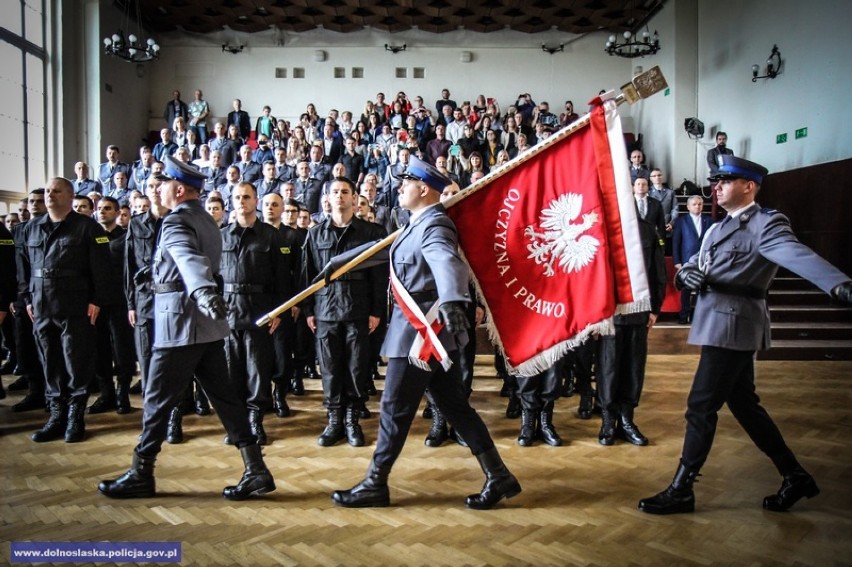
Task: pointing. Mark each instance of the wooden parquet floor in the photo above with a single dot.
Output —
(578, 506)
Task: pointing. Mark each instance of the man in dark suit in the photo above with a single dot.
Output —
(733, 270)
(308, 188)
(649, 209)
(429, 278)
(190, 325)
(689, 230)
(319, 165)
(721, 149)
(174, 108)
(240, 118)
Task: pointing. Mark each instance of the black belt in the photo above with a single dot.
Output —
(740, 290)
(245, 288)
(167, 287)
(424, 296)
(54, 273)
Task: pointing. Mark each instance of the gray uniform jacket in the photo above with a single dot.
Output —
(425, 258)
(187, 258)
(740, 256)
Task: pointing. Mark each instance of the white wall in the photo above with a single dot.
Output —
(810, 92)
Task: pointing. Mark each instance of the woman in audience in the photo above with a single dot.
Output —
(179, 131)
(230, 148)
(192, 144)
(509, 135)
(295, 151)
(265, 123)
(569, 115)
(490, 149)
(369, 108)
(281, 134)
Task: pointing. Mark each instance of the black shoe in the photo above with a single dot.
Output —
(546, 431)
(438, 433)
(499, 482)
(513, 408)
(32, 401)
(256, 480)
(122, 399)
(628, 429)
(138, 482)
(795, 486)
(505, 392)
(103, 404)
(568, 387)
(678, 498)
(584, 411)
(75, 431)
(136, 389)
(8, 367)
(427, 411)
(354, 433)
(455, 436)
(527, 435)
(256, 426)
(312, 372)
(372, 492)
(56, 423)
(371, 388)
(19, 385)
(682, 321)
(364, 413)
(606, 436)
(334, 431)
(174, 431)
(297, 386)
(279, 402)
(202, 403)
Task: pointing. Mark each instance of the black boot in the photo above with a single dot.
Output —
(106, 399)
(678, 498)
(513, 408)
(438, 433)
(629, 430)
(607, 432)
(279, 401)
(174, 433)
(372, 492)
(584, 411)
(499, 482)
(256, 481)
(354, 434)
(75, 431)
(312, 372)
(256, 425)
(21, 384)
(527, 435)
(796, 485)
(202, 402)
(137, 388)
(568, 386)
(333, 432)
(122, 398)
(456, 436)
(546, 431)
(138, 482)
(297, 386)
(56, 423)
(34, 398)
(427, 411)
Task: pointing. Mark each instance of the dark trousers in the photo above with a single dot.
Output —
(621, 367)
(8, 331)
(537, 391)
(306, 346)
(685, 307)
(726, 376)
(115, 344)
(250, 362)
(284, 345)
(143, 336)
(579, 361)
(29, 358)
(171, 373)
(67, 354)
(404, 387)
(343, 348)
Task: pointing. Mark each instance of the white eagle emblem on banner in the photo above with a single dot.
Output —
(562, 241)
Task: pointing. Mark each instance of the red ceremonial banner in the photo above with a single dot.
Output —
(546, 245)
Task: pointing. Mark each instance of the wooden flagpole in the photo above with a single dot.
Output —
(642, 86)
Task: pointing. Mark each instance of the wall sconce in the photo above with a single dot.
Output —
(773, 66)
(552, 50)
(233, 49)
(395, 48)
(466, 57)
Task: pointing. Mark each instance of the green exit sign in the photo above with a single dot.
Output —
(801, 133)
(668, 91)
(781, 138)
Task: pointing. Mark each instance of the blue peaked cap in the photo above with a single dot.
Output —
(731, 167)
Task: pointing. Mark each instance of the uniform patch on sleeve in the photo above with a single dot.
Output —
(7, 242)
(102, 239)
(285, 250)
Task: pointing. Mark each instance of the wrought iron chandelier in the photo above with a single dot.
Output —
(633, 46)
(131, 48)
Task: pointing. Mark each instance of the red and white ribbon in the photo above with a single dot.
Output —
(426, 344)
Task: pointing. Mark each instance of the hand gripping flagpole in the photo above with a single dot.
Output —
(642, 86)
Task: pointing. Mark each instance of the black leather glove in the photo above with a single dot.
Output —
(690, 277)
(210, 303)
(325, 274)
(843, 292)
(453, 316)
(337, 262)
(142, 276)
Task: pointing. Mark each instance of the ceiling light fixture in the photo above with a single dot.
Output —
(552, 50)
(131, 48)
(395, 48)
(633, 46)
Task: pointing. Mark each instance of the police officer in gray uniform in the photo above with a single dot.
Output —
(190, 325)
(426, 264)
(732, 272)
